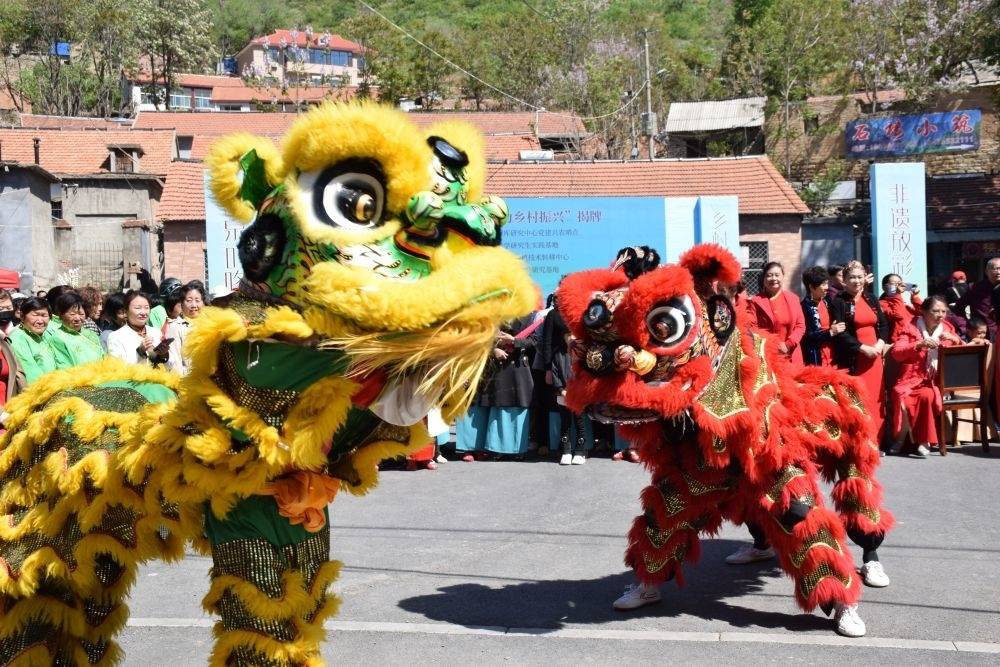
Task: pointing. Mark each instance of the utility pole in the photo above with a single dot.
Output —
(649, 122)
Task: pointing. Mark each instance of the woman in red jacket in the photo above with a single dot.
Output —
(778, 312)
(918, 399)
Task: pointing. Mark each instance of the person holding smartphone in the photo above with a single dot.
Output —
(896, 310)
(137, 342)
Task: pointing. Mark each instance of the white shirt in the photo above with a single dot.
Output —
(125, 343)
(177, 329)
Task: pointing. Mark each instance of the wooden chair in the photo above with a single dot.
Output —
(961, 378)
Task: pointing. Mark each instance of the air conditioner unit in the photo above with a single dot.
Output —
(536, 155)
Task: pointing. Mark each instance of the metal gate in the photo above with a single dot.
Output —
(101, 265)
(754, 269)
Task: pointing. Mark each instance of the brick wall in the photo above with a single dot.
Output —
(184, 250)
(783, 234)
(810, 152)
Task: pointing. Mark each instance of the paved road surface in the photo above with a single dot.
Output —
(517, 563)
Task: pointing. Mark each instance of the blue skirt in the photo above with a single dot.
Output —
(496, 430)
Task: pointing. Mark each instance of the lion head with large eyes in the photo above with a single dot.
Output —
(366, 226)
(648, 339)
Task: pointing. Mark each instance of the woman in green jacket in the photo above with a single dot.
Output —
(71, 343)
(32, 352)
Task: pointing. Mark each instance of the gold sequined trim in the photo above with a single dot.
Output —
(856, 400)
(698, 488)
(654, 566)
(723, 397)
(672, 502)
(763, 372)
(718, 444)
(855, 505)
(660, 537)
(828, 392)
(810, 581)
(832, 428)
(822, 538)
(271, 404)
(787, 475)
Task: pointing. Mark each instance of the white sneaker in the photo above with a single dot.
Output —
(922, 451)
(874, 575)
(579, 459)
(566, 459)
(848, 621)
(637, 595)
(750, 554)
(440, 458)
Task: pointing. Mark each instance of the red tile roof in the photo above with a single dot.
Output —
(756, 182)
(231, 94)
(191, 80)
(73, 122)
(215, 123)
(508, 122)
(80, 152)
(318, 40)
(183, 193)
(963, 203)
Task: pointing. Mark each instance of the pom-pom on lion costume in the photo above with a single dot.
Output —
(728, 428)
(373, 288)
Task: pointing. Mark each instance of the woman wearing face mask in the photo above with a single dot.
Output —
(192, 300)
(860, 347)
(918, 399)
(27, 340)
(71, 343)
(896, 310)
(778, 312)
(137, 342)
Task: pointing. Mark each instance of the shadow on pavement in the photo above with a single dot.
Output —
(555, 604)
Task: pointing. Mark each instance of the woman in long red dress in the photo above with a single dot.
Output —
(778, 312)
(860, 347)
(918, 399)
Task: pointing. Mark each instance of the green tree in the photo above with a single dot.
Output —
(175, 37)
(788, 53)
(236, 22)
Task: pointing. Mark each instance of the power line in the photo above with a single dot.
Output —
(489, 85)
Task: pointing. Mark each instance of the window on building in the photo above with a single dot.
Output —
(810, 123)
(359, 62)
(202, 98)
(230, 107)
(318, 56)
(184, 145)
(341, 58)
(274, 55)
(180, 98)
(753, 258)
(316, 79)
(57, 209)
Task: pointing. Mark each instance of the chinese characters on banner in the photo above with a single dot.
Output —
(222, 233)
(899, 221)
(718, 221)
(559, 235)
(910, 135)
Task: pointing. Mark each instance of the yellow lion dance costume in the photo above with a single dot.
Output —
(373, 287)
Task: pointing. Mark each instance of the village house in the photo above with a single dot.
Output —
(302, 57)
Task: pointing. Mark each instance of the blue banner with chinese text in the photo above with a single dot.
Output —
(909, 135)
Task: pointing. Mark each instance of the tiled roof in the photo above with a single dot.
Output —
(963, 203)
(756, 182)
(79, 152)
(231, 94)
(508, 122)
(215, 123)
(183, 193)
(190, 80)
(319, 40)
(73, 122)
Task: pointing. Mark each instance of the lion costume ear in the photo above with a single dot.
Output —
(243, 169)
(710, 264)
(468, 139)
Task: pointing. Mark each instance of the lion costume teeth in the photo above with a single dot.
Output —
(371, 262)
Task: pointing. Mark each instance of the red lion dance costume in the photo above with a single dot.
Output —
(728, 428)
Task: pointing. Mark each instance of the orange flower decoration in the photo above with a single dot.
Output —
(302, 496)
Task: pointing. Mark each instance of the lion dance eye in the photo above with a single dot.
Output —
(348, 195)
(670, 322)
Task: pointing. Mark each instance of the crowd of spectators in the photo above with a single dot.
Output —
(67, 326)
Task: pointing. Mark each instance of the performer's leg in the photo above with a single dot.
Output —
(809, 540)
(269, 587)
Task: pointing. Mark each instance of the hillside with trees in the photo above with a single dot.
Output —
(583, 56)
